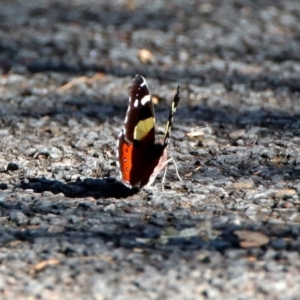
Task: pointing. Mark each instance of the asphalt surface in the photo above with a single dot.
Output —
(70, 229)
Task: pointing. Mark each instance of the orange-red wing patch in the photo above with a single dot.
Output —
(138, 159)
(125, 160)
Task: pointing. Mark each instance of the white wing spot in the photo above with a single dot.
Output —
(136, 103)
(125, 159)
(126, 119)
(121, 133)
(146, 99)
(144, 82)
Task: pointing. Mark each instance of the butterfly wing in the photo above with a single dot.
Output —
(171, 116)
(138, 133)
(140, 159)
(163, 159)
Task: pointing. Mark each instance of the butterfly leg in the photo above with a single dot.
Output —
(171, 159)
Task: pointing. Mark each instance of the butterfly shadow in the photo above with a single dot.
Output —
(89, 187)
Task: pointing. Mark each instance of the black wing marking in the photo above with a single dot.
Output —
(140, 107)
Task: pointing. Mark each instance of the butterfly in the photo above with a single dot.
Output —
(140, 158)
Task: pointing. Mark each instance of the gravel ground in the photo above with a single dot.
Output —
(229, 230)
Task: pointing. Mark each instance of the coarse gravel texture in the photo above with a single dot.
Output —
(70, 229)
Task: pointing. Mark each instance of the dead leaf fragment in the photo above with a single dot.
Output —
(249, 239)
(155, 100)
(188, 175)
(195, 133)
(285, 193)
(78, 80)
(43, 264)
(243, 184)
(203, 230)
(145, 56)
